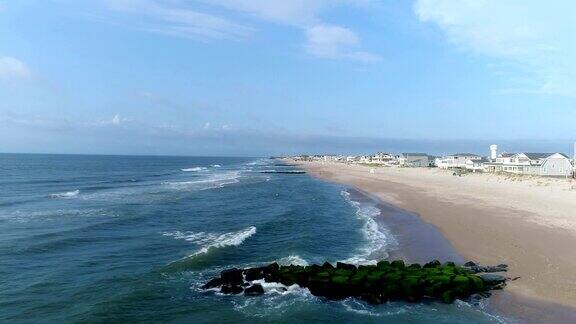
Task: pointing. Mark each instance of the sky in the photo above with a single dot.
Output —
(260, 77)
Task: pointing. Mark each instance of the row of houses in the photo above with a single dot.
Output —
(539, 164)
(380, 158)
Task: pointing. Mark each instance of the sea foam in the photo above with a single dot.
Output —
(68, 194)
(194, 169)
(378, 237)
(293, 259)
(217, 180)
(208, 241)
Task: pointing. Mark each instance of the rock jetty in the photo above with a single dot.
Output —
(372, 283)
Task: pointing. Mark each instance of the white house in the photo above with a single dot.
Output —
(456, 160)
(414, 160)
(382, 158)
(476, 165)
(541, 164)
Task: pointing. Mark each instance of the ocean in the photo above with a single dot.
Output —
(132, 238)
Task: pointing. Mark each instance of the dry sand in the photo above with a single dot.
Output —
(527, 223)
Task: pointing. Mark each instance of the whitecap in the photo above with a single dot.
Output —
(259, 162)
(378, 237)
(194, 169)
(217, 180)
(277, 299)
(208, 241)
(355, 306)
(216, 166)
(281, 289)
(68, 194)
(293, 259)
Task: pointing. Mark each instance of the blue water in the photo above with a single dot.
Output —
(110, 238)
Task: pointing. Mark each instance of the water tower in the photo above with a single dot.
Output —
(493, 151)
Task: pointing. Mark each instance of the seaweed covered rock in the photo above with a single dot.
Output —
(373, 283)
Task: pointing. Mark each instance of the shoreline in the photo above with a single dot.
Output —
(477, 231)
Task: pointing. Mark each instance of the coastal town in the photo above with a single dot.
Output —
(552, 164)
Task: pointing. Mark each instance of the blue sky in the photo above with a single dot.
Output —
(257, 77)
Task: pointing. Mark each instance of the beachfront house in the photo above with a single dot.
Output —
(382, 158)
(365, 159)
(352, 159)
(459, 160)
(476, 165)
(415, 160)
(540, 164)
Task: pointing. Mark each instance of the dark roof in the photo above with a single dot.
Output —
(465, 154)
(507, 154)
(415, 154)
(536, 156)
(481, 160)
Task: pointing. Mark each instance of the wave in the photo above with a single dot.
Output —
(216, 166)
(25, 216)
(194, 169)
(259, 162)
(214, 181)
(293, 259)
(68, 194)
(285, 171)
(209, 241)
(378, 237)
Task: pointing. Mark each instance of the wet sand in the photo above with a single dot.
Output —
(541, 256)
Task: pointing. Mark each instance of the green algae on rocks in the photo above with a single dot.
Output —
(373, 283)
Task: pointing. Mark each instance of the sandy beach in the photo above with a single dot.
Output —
(527, 223)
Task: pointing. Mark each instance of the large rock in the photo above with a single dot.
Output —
(254, 290)
(341, 265)
(254, 273)
(231, 290)
(232, 276)
(216, 282)
(492, 279)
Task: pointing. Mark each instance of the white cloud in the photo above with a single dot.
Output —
(35, 121)
(293, 12)
(11, 68)
(184, 19)
(324, 41)
(534, 38)
(334, 42)
(179, 20)
(115, 121)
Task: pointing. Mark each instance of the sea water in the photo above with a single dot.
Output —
(119, 238)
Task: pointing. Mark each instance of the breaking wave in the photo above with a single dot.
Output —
(194, 169)
(293, 259)
(216, 166)
(208, 241)
(259, 162)
(378, 237)
(68, 194)
(214, 181)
